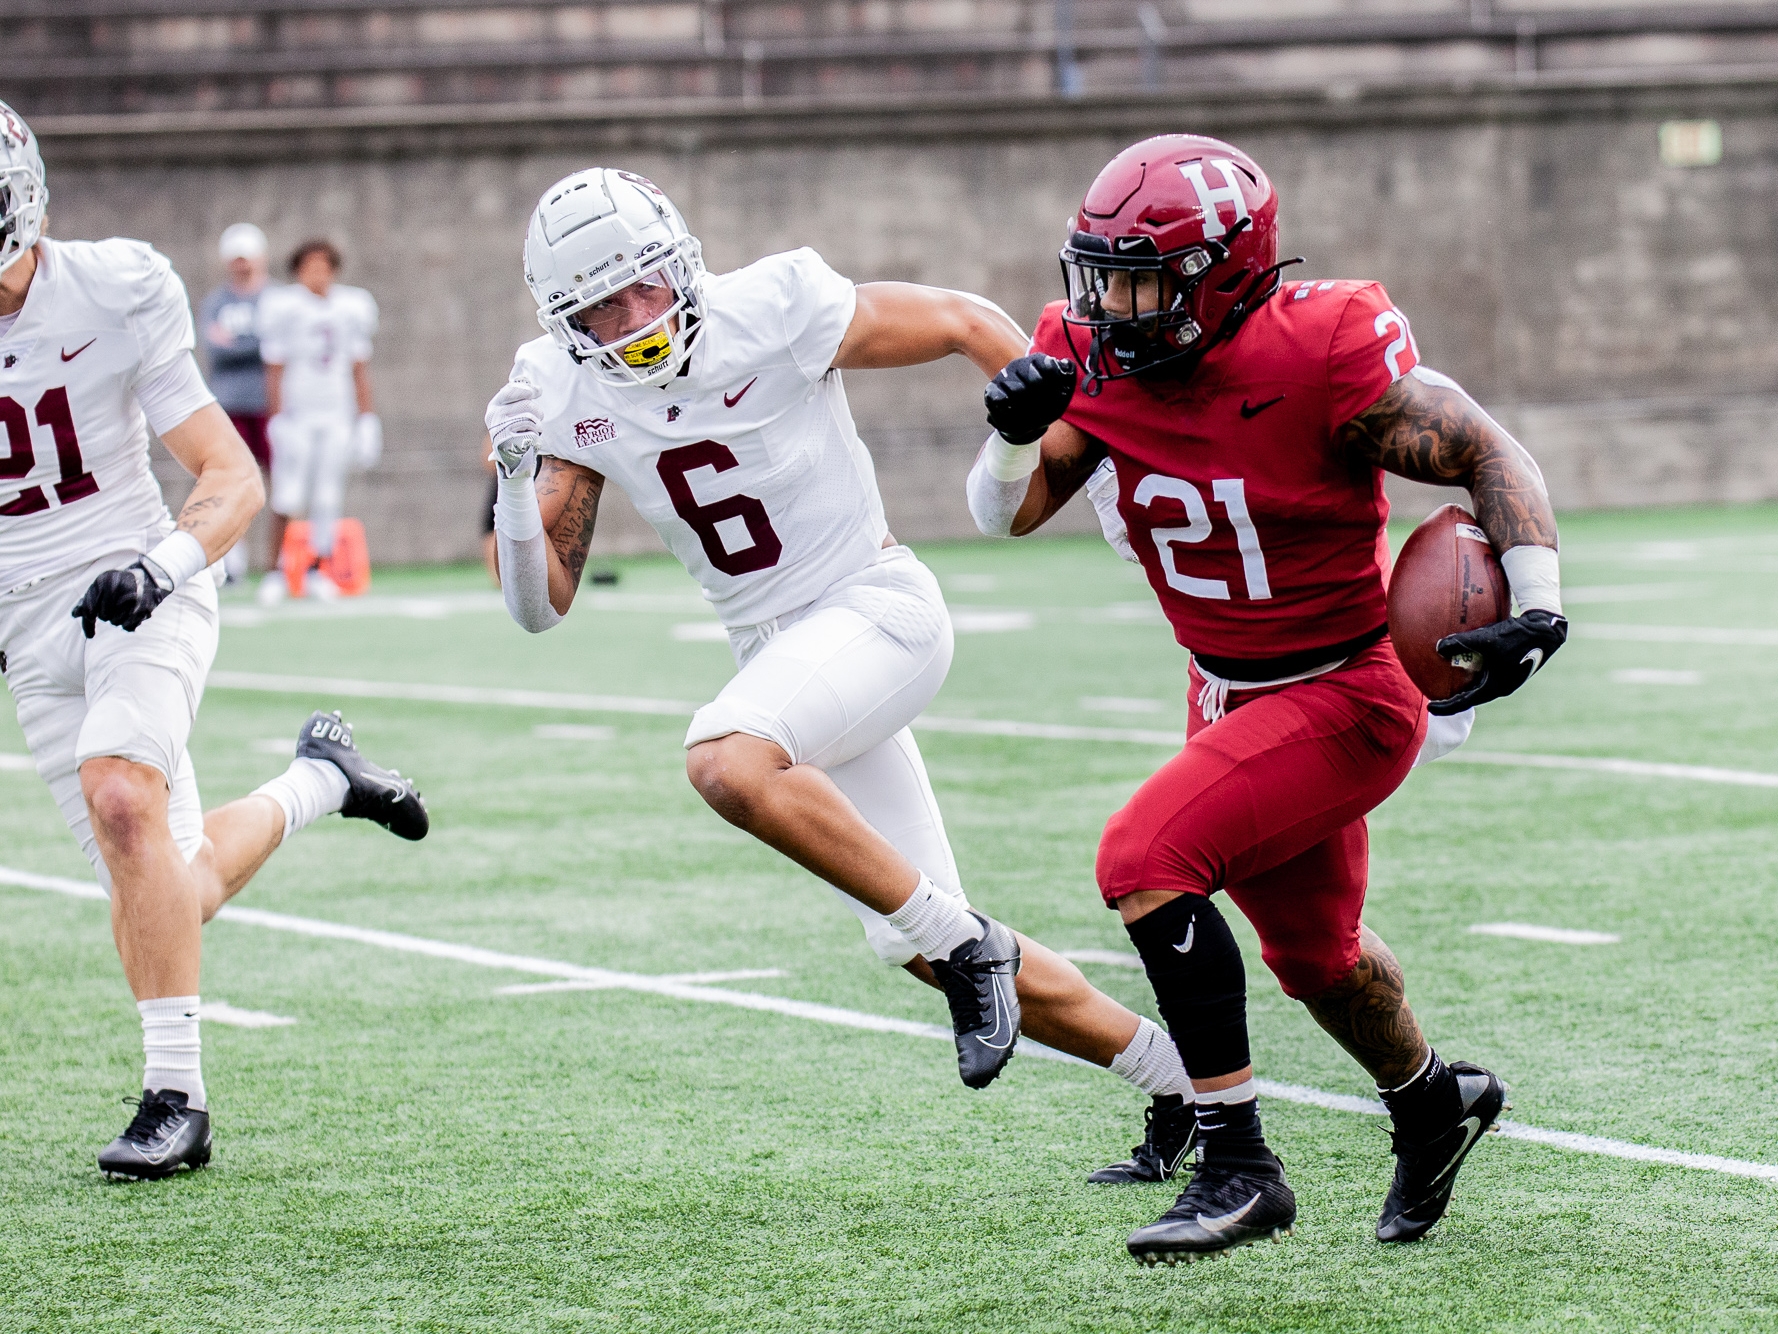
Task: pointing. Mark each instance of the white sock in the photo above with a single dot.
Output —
(305, 792)
(171, 1045)
(1151, 1062)
(935, 921)
(1242, 1092)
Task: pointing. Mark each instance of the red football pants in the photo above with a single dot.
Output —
(1269, 802)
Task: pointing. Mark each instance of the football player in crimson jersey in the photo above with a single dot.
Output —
(95, 349)
(1233, 430)
(716, 402)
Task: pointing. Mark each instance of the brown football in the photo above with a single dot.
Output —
(1446, 580)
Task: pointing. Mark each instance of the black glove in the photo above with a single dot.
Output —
(1511, 652)
(1028, 395)
(125, 597)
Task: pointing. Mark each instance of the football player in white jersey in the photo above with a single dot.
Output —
(315, 338)
(716, 403)
(95, 349)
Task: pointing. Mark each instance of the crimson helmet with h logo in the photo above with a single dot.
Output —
(1174, 245)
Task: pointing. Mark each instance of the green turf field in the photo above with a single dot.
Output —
(419, 1152)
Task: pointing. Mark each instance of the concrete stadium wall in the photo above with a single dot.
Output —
(1619, 315)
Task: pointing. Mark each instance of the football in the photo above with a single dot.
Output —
(1446, 580)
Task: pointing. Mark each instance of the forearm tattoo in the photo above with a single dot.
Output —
(199, 511)
(1428, 433)
(1367, 1013)
(572, 533)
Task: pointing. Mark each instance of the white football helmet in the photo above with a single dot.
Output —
(24, 195)
(594, 234)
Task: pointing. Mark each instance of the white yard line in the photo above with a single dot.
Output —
(829, 1014)
(1115, 958)
(221, 1012)
(574, 984)
(1555, 935)
(1675, 634)
(1692, 773)
(11, 762)
(278, 684)
(927, 722)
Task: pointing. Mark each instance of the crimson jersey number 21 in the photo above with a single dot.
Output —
(1231, 494)
(720, 524)
(21, 457)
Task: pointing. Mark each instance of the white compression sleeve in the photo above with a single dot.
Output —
(524, 562)
(998, 483)
(1536, 578)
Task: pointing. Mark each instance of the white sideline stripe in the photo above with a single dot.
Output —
(221, 1012)
(277, 684)
(1675, 634)
(11, 762)
(1298, 1093)
(573, 984)
(1555, 935)
(273, 683)
(1634, 768)
(604, 978)
(1116, 958)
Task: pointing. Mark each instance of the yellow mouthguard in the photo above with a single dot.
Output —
(647, 351)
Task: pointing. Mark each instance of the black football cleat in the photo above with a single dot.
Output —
(978, 982)
(1172, 1129)
(1426, 1168)
(164, 1136)
(1224, 1207)
(378, 794)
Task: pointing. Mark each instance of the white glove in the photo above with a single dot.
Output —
(514, 427)
(367, 441)
(1102, 491)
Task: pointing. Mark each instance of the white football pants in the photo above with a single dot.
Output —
(835, 684)
(312, 458)
(130, 695)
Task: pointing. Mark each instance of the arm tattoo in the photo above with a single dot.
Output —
(572, 534)
(1367, 1013)
(197, 512)
(1431, 434)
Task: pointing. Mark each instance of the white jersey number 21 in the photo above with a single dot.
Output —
(1231, 494)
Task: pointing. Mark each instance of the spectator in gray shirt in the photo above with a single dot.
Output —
(227, 318)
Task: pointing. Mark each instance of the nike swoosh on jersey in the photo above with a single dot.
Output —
(1251, 410)
(1228, 1220)
(1191, 929)
(728, 402)
(69, 356)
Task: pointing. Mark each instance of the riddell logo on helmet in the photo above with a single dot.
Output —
(593, 431)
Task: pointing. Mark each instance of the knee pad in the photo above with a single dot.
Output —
(1199, 983)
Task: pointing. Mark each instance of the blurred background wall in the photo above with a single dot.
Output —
(1577, 208)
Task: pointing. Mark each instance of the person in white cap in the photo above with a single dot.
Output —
(108, 624)
(229, 318)
(315, 336)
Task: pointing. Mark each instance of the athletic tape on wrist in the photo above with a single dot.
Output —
(1536, 578)
(515, 509)
(1008, 462)
(179, 556)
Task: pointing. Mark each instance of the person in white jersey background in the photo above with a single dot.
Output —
(315, 337)
(716, 403)
(108, 623)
